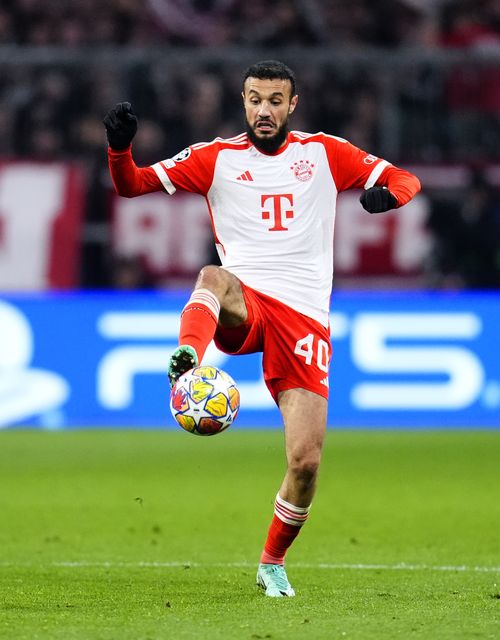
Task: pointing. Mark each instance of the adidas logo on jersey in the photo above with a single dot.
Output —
(247, 176)
(325, 381)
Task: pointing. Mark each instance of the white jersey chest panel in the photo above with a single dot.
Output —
(295, 188)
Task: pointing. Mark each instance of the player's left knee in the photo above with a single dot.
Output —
(305, 468)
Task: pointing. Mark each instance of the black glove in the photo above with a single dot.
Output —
(378, 199)
(121, 126)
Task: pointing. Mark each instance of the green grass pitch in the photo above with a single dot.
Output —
(155, 535)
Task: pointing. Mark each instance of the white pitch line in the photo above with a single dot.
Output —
(246, 565)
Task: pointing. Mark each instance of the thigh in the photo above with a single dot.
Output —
(243, 337)
(233, 309)
(228, 290)
(305, 417)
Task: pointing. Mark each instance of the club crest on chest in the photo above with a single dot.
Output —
(302, 170)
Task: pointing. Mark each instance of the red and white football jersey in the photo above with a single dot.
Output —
(273, 215)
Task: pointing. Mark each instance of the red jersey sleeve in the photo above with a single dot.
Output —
(353, 168)
(190, 170)
(128, 179)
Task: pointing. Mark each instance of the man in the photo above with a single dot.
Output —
(271, 196)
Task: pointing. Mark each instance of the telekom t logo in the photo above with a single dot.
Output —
(276, 209)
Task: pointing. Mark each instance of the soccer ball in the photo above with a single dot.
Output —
(205, 401)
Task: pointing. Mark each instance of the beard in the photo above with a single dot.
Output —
(269, 144)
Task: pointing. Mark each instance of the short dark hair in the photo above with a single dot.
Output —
(270, 70)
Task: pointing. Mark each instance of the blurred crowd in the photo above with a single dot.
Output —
(409, 109)
(466, 238)
(198, 23)
(208, 22)
(427, 111)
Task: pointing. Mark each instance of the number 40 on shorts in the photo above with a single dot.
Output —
(309, 347)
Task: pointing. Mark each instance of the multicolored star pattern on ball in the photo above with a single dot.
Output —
(205, 401)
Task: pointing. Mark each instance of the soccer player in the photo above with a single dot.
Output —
(271, 197)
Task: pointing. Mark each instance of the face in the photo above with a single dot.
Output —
(268, 103)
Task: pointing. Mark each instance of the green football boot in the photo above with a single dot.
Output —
(183, 359)
(273, 579)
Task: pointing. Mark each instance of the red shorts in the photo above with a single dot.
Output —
(296, 349)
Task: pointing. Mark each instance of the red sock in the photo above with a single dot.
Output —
(285, 527)
(199, 321)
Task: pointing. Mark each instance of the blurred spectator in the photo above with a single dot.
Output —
(7, 130)
(471, 24)
(7, 35)
(467, 239)
(386, 23)
(473, 90)
(44, 119)
(52, 22)
(285, 23)
(128, 274)
(194, 23)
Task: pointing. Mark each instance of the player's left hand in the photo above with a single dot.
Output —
(378, 199)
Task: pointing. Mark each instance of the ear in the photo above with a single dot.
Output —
(293, 104)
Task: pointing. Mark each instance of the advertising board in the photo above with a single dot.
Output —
(404, 360)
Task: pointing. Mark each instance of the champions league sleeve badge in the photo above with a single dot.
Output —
(182, 155)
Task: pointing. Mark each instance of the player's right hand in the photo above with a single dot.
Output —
(121, 126)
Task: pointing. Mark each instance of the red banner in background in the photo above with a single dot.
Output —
(395, 243)
(172, 236)
(41, 207)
